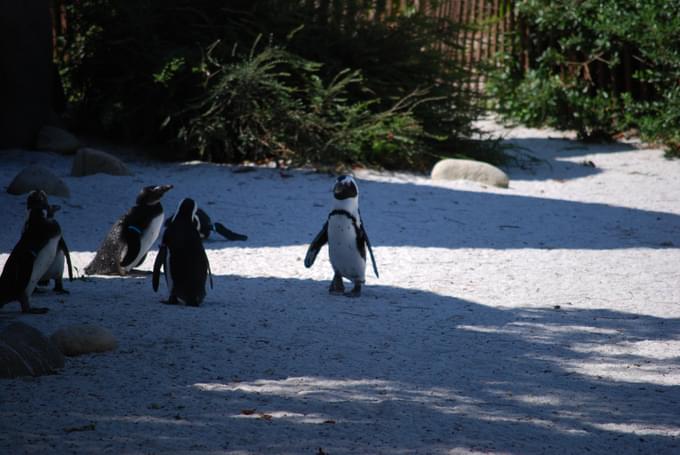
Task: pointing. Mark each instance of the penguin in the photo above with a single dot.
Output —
(183, 258)
(347, 240)
(129, 240)
(38, 199)
(205, 227)
(30, 259)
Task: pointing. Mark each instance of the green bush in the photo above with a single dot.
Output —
(272, 104)
(323, 89)
(568, 41)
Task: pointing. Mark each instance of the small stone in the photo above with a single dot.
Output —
(476, 171)
(83, 339)
(89, 161)
(38, 177)
(57, 140)
(25, 351)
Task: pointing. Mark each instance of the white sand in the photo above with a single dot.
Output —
(544, 318)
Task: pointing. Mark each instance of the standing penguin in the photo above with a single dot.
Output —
(182, 257)
(38, 199)
(131, 237)
(346, 237)
(30, 259)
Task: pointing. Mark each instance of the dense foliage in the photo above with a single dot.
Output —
(577, 52)
(265, 79)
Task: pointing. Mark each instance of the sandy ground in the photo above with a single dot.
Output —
(543, 318)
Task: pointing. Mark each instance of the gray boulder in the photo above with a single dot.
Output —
(37, 177)
(89, 161)
(83, 339)
(476, 171)
(57, 140)
(24, 351)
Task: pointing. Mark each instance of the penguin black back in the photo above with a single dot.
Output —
(183, 257)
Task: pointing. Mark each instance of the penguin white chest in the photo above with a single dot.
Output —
(56, 270)
(149, 235)
(43, 260)
(168, 271)
(343, 250)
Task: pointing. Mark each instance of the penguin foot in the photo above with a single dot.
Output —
(61, 291)
(355, 292)
(337, 287)
(172, 300)
(37, 310)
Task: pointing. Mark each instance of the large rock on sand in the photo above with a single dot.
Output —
(57, 140)
(24, 351)
(37, 177)
(476, 171)
(83, 339)
(89, 161)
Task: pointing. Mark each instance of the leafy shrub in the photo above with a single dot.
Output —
(576, 49)
(272, 104)
(343, 90)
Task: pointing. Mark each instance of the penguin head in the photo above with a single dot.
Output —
(345, 188)
(37, 199)
(150, 195)
(186, 210)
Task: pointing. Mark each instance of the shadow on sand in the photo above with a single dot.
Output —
(278, 366)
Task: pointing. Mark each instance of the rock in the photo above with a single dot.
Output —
(83, 339)
(477, 171)
(24, 351)
(90, 161)
(37, 177)
(57, 140)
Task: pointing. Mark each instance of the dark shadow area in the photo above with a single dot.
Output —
(272, 365)
(405, 214)
(274, 211)
(544, 158)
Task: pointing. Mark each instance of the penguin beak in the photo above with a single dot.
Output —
(162, 189)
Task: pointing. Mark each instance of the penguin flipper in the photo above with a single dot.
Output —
(133, 239)
(209, 272)
(227, 233)
(370, 252)
(364, 237)
(320, 240)
(67, 255)
(160, 260)
(16, 274)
